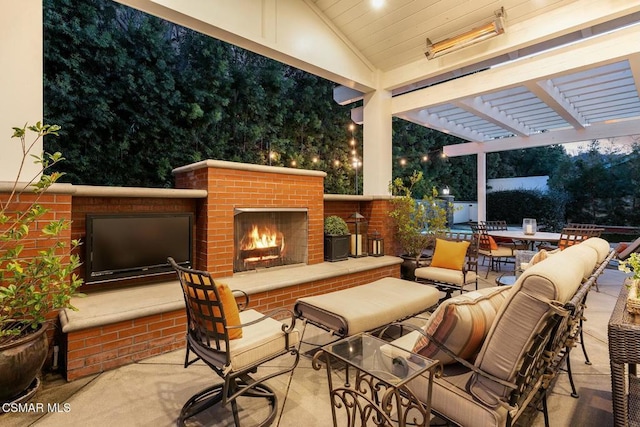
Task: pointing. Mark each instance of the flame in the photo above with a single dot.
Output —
(262, 237)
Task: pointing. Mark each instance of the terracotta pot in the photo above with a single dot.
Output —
(20, 363)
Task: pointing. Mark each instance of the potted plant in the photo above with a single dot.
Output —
(34, 282)
(336, 239)
(416, 223)
(632, 265)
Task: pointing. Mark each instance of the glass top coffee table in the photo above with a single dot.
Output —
(379, 394)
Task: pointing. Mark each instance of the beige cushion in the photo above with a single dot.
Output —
(502, 251)
(259, 341)
(520, 318)
(601, 246)
(366, 307)
(461, 324)
(451, 397)
(445, 275)
(585, 254)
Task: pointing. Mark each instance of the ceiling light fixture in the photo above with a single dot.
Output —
(486, 31)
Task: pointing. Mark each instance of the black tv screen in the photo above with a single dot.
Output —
(135, 245)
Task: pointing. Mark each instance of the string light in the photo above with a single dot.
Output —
(404, 160)
(314, 159)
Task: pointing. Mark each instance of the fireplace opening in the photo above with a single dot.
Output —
(269, 237)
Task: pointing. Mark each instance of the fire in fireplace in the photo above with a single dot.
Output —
(269, 238)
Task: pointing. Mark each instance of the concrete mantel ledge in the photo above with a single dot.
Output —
(118, 305)
(222, 164)
(354, 198)
(105, 191)
(57, 188)
(169, 193)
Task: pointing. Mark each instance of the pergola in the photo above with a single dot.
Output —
(563, 71)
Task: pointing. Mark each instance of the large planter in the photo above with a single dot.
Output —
(409, 265)
(20, 363)
(336, 247)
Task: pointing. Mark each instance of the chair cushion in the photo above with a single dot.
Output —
(449, 254)
(446, 275)
(461, 323)
(229, 306)
(260, 341)
(451, 397)
(521, 316)
(600, 245)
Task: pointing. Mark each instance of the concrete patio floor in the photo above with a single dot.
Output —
(152, 392)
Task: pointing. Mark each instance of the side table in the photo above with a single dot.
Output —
(378, 394)
(624, 354)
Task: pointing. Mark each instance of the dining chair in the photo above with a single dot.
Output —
(505, 241)
(489, 248)
(233, 343)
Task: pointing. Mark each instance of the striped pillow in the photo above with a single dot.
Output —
(461, 323)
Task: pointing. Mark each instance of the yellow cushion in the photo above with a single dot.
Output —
(229, 306)
(449, 254)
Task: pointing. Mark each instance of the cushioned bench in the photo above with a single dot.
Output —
(366, 307)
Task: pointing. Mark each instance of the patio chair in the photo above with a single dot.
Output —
(454, 264)
(505, 241)
(489, 248)
(232, 343)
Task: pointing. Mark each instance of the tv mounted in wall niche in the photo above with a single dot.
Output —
(122, 246)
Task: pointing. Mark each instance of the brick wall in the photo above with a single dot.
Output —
(99, 349)
(59, 207)
(375, 211)
(258, 187)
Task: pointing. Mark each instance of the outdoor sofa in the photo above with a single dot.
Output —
(533, 328)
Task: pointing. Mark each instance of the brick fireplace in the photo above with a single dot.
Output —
(238, 187)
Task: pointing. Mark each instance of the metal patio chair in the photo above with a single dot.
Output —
(231, 354)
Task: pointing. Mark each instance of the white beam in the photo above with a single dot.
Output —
(481, 186)
(441, 124)
(485, 110)
(608, 48)
(596, 131)
(548, 93)
(292, 32)
(21, 55)
(345, 95)
(357, 115)
(540, 28)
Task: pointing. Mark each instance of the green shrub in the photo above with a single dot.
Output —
(335, 226)
(514, 205)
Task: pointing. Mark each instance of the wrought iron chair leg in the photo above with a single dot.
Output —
(584, 348)
(545, 410)
(574, 392)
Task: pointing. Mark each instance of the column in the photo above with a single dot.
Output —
(377, 152)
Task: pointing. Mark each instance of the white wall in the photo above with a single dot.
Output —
(519, 183)
(464, 212)
(21, 84)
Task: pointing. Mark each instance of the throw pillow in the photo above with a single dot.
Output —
(449, 254)
(492, 244)
(461, 324)
(229, 306)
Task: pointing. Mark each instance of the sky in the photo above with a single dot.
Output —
(607, 145)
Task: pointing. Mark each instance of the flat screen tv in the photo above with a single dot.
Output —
(135, 245)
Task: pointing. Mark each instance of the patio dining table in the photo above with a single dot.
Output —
(518, 234)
